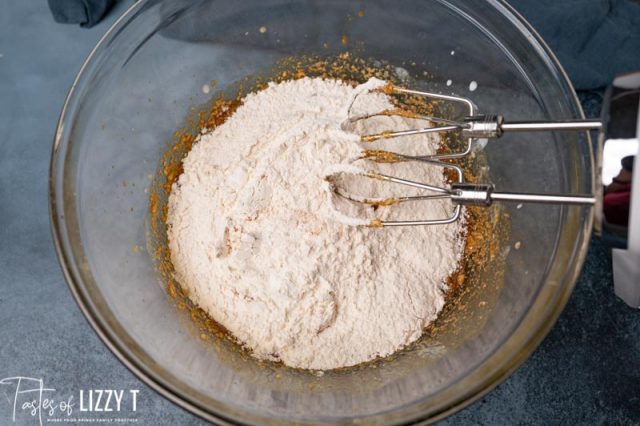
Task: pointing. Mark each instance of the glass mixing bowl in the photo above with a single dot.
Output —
(136, 89)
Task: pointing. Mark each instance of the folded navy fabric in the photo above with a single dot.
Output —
(87, 13)
(595, 40)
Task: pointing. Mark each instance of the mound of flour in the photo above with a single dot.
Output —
(261, 242)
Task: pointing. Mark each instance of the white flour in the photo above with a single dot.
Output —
(256, 240)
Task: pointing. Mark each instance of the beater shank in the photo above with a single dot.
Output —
(472, 128)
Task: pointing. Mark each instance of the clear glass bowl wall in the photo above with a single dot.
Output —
(136, 89)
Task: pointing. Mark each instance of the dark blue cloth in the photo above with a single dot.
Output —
(595, 40)
(87, 13)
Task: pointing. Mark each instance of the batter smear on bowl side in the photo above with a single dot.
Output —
(261, 242)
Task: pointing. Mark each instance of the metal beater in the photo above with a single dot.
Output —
(473, 128)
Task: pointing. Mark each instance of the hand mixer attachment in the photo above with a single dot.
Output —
(473, 128)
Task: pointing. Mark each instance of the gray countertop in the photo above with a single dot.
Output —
(585, 371)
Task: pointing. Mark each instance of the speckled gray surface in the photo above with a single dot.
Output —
(586, 371)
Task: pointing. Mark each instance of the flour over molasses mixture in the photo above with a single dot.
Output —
(266, 248)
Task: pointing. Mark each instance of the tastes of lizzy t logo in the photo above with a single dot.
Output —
(29, 397)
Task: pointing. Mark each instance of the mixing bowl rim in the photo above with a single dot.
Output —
(159, 384)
